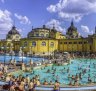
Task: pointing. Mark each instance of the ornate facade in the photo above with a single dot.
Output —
(45, 41)
(45, 32)
(13, 35)
(72, 32)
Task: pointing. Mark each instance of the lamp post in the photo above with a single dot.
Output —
(4, 50)
(22, 52)
(52, 52)
(73, 49)
(11, 55)
(69, 48)
(31, 51)
(11, 51)
(4, 54)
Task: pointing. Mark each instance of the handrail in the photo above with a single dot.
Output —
(51, 88)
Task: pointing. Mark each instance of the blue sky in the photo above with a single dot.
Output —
(28, 13)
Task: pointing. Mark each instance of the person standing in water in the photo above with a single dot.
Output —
(31, 64)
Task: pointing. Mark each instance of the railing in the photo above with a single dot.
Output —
(51, 88)
(46, 88)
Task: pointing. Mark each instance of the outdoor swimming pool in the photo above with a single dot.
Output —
(61, 73)
(19, 58)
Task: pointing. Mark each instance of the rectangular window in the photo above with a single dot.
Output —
(85, 42)
(75, 42)
(60, 42)
(80, 42)
(65, 42)
(70, 42)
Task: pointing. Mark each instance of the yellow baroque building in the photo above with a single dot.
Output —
(44, 41)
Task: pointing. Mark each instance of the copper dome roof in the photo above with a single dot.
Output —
(13, 31)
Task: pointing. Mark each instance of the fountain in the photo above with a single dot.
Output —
(20, 52)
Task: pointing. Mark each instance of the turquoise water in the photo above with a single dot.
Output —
(18, 58)
(61, 72)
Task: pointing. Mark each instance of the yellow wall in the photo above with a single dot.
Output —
(69, 45)
(39, 48)
(94, 44)
(73, 45)
(60, 36)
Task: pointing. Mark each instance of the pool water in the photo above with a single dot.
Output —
(19, 58)
(61, 72)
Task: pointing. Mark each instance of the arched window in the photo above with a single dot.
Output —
(25, 43)
(37, 35)
(42, 35)
(17, 36)
(43, 43)
(33, 43)
(8, 44)
(47, 35)
(52, 44)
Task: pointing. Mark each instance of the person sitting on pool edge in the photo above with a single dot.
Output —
(31, 85)
(70, 83)
(56, 86)
(23, 66)
(50, 83)
(45, 83)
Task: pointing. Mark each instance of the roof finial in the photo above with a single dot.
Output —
(95, 29)
(13, 24)
(72, 23)
(32, 27)
(44, 26)
(53, 25)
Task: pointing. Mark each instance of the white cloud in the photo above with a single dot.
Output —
(73, 9)
(67, 16)
(23, 19)
(57, 25)
(5, 21)
(86, 30)
(51, 8)
(20, 30)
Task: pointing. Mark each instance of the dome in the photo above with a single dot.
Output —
(53, 29)
(13, 34)
(13, 31)
(43, 32)
(72, 28)
(72, 31)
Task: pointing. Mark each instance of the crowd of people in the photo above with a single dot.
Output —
(3, 69)
(21, 83)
